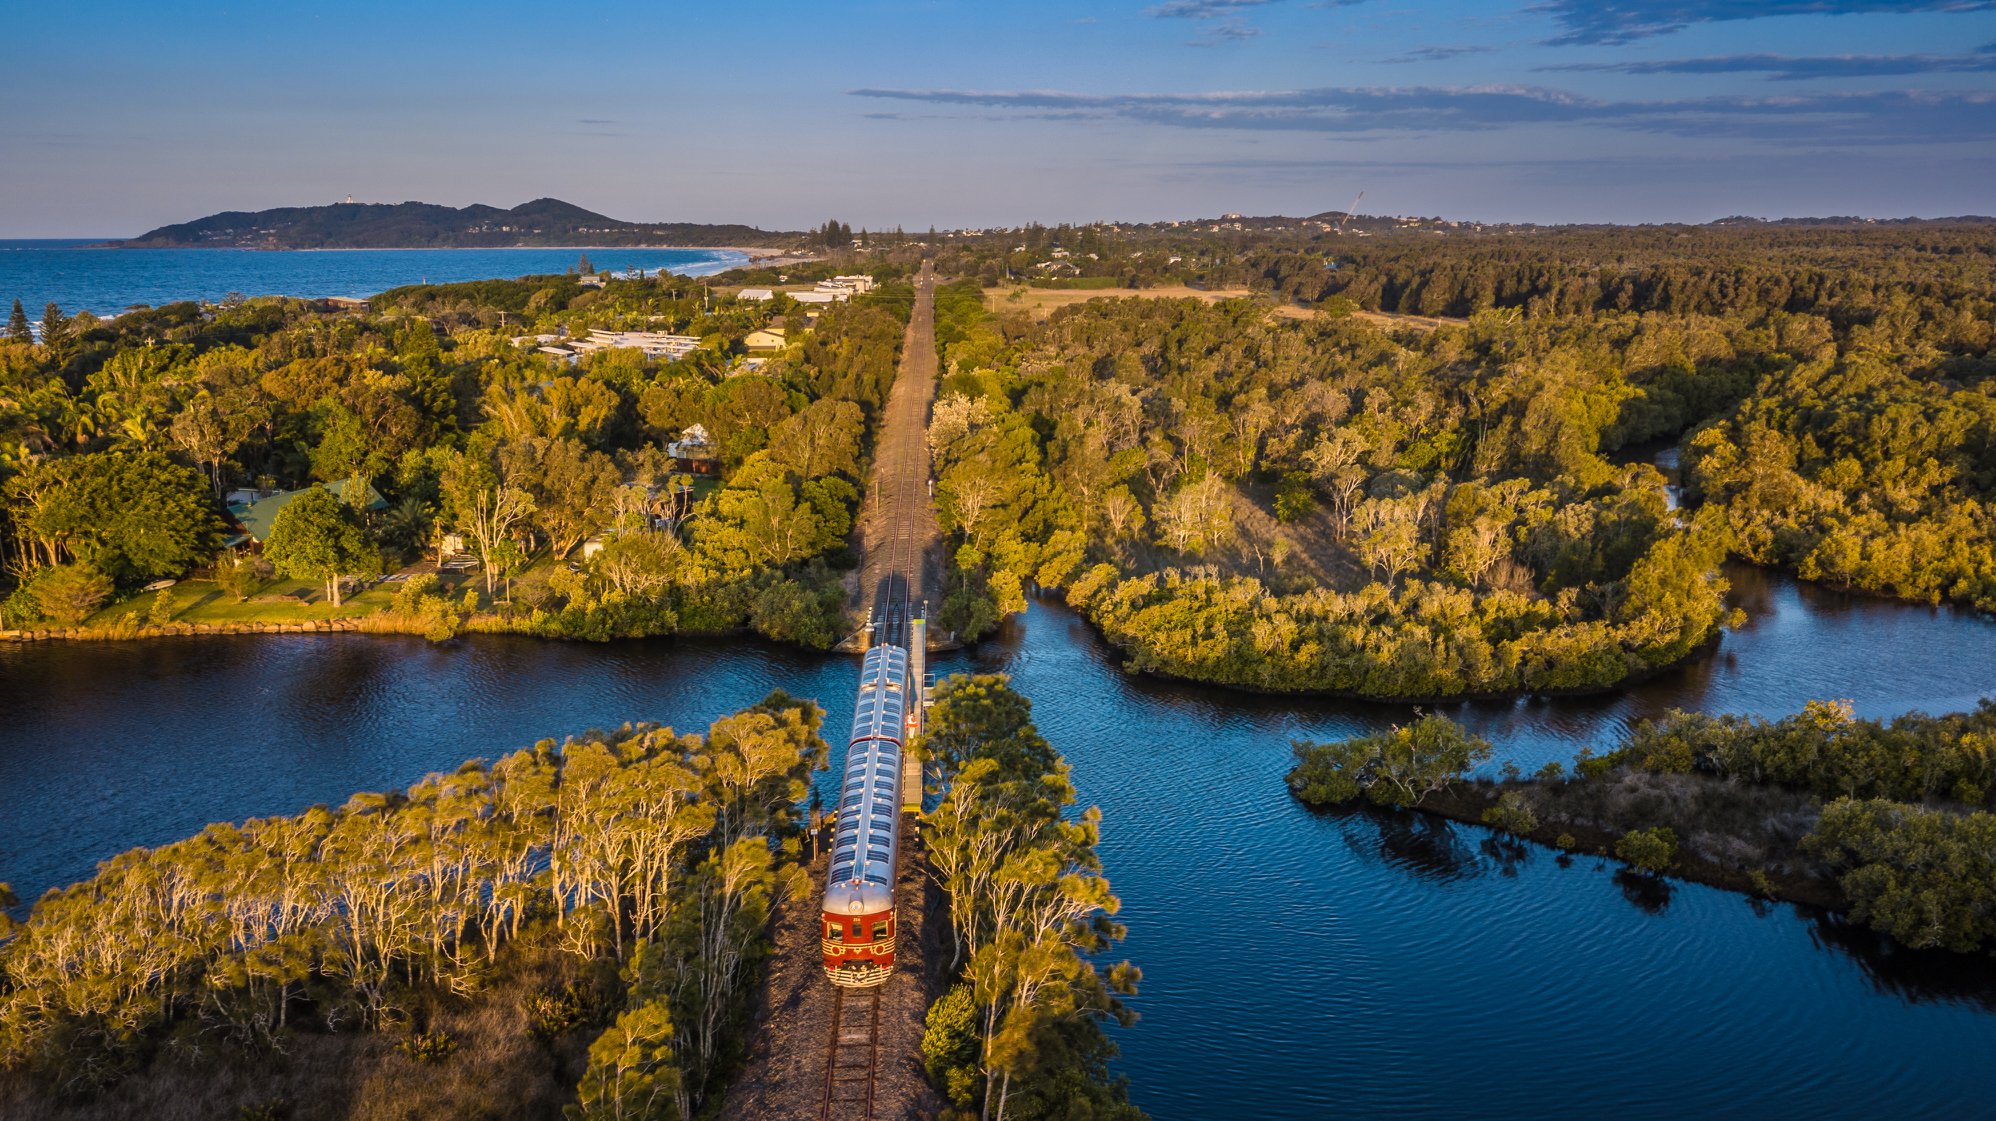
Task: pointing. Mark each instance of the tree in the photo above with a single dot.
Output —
(1648, 850)
(570, 486)
(1398, 767)
(55, 329)
(68, 593)
(239, 574)
(317, 537)
(483, 507)
(632, 1073)
(1512, 814)
(133, 516)
(17, 325)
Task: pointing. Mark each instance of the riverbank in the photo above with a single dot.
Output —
(1470, 802)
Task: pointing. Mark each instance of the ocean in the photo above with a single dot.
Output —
(108, 281)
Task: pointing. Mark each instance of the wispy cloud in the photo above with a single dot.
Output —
(597, 121)
(1623, 21)
(1892, 117)
(1200, 9)
(1439, 54)
(1224, 33)
(1787, 68)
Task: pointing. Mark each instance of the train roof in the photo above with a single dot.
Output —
(867, 836)
(858, 899)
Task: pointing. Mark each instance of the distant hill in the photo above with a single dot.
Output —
(421, 225)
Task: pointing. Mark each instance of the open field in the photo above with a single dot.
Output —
(1043, 302)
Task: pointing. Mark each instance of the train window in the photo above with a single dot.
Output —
(858, 930)
(880, 931)
(834, 932)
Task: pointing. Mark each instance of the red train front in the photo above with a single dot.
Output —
(858, 916)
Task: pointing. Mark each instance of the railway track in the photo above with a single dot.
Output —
(901, 490)
(852, 1060)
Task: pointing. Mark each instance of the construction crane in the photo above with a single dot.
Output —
(1348, 212)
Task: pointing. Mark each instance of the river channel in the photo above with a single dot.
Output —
(1297, 964)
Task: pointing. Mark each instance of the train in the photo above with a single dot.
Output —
(858, 915)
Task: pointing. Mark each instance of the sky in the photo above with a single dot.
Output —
(116, 117)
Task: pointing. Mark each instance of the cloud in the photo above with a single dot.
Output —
(1439, 54)
(1866, 118)
(1200, 9)
(597, 121)
(1623, 21)
(1224, 33)
(1786, 68)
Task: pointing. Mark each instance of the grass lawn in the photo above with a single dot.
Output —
(279, 601)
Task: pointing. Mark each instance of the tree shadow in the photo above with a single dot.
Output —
(1507, 851)
(1650, 894)
(1427, 847)
(1915, 976)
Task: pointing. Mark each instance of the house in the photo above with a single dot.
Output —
(757, 295)
(655, 344)
(694, 451)
(857, 283)
(772, 337)
(591, 280)
(821, 297)
(343, 303)
(257, 511)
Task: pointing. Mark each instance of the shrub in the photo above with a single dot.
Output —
(1511, 814)
(66, 593)
(1648, 850)
(429, 1046)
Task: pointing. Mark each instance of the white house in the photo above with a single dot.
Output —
(757, 295)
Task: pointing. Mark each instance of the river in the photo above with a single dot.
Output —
(1297, 964)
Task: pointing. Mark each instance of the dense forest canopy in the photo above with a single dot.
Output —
(1306, 488)
(121, 437)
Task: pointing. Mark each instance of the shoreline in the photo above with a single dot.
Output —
(1464, 802)
(745, 249)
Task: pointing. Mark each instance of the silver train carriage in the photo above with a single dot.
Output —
(858, 915)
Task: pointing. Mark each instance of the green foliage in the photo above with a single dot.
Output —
(134, 515)
(1925, 876)
(161, 612)
(66, 594)
(1827, 751)
(430, 1047)
(1649, 850)
(950, 1045)
(1021, 1035)
(318, 537)
(632, 1075)
(1398, 767)
(1512, 814)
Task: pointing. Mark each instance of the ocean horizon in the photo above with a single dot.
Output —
(84, 274)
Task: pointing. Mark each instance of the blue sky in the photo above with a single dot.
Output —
(116, 117)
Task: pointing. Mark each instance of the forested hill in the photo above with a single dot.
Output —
(420, 225)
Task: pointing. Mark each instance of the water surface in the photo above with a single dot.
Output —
(1297, 964)
(107, 281)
